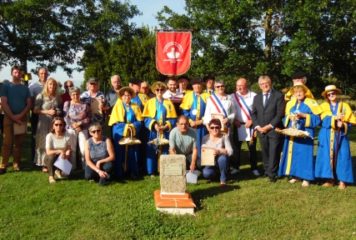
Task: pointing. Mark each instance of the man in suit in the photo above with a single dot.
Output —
(267, 114)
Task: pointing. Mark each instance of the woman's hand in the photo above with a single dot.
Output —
(301, 115)
(103, 174)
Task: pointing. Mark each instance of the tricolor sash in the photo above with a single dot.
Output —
(218, 105)
(245, 109)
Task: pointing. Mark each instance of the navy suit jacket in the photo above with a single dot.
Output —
(272, 113)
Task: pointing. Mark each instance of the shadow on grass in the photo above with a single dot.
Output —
(201, 194)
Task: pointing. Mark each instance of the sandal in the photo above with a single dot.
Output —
(51, 179)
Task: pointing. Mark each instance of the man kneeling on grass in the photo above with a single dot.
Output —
(182, 140)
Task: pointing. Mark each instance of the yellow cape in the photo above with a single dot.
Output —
(118, 113)
(188, 98)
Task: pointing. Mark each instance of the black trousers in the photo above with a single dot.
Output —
(252, 155)
(271, 145)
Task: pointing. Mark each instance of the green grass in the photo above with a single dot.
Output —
(247, 209)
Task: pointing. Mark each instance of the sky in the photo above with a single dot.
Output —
(148, 8)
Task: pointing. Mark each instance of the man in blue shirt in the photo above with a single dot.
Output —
(16, 103)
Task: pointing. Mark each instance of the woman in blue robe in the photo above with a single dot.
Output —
(126, 121)
(297, 158)
(193, 107)
(159, 118)
(333, 161)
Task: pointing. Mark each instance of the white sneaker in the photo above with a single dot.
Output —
(256, 173)
(234, 171)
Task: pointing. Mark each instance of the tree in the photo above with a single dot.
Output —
(51, 32)
(252, 37)
(130, 56)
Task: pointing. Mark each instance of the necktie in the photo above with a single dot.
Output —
(265, 99)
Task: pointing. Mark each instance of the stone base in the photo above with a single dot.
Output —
(178, 204)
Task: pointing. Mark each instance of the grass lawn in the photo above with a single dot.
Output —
(249, 208)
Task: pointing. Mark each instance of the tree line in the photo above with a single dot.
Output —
(230, 38)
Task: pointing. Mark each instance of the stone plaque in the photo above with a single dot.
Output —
(172, 174)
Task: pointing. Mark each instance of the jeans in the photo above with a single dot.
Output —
(91, 174)
(209, 172)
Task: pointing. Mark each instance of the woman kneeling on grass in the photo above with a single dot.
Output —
(99, 154)
(58, 143)
(221, 143)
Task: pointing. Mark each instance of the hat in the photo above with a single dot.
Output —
(127, 89)
(135, 81)
(158, 84)
(299, 74)
(330, 88)
(93, 80)
(196, 81)
(301, 85)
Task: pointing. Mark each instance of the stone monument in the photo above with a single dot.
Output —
(173, 198)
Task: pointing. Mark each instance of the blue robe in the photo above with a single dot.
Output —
(330, 136)
(194, 108)
(121, 118)
(297, 158)
(157, 112)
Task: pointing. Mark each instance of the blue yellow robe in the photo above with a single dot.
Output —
(193, 108)
(122, 118)
(297, 158)
(140, 99)
(330, 138)
(157, 112)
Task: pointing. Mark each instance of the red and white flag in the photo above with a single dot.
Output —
(173, 52)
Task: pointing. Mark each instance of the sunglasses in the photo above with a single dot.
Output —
(69, 86)
(159, 90)
(96, 131)
(58, 124)
(215, 127)
(92, 83)
(220, 86)
(331, 94)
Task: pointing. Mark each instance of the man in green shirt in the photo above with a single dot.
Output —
(182, 140)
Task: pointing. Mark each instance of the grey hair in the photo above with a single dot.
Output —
(74, 89)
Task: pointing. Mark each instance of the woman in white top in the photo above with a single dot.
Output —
(58, 144)
(222, 150)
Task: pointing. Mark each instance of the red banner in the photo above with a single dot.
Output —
(173, 52)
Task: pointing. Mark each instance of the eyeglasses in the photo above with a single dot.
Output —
(69, 86)
(58, 124)
(215, 127)
(160, 90)
(92, 83)
(96, 131)
(331, 94)
(220, 86)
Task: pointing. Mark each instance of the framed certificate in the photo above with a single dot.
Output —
(207, 156)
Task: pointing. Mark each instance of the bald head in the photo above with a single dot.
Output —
(242, 86)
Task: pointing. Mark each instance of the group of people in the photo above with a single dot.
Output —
(173, 118)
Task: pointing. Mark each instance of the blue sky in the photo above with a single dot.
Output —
(148, 8)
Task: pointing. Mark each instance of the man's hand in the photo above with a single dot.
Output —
(248, 123)
(192, 167)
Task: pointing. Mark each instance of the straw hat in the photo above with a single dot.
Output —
(330, 88)
(127, 89)
(157, 85)
(299, 85)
